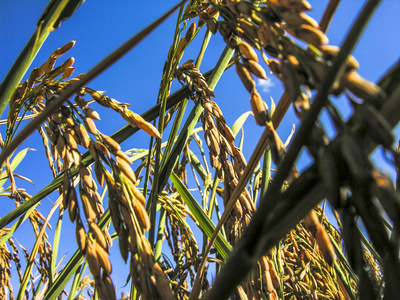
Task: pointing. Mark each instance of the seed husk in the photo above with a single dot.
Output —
(61, 147)
(92, 259)
(325, 245)
(126, 169)
(273, 274)
(123, 241)
(141, 214)
(297, 19)
(68, 72)
(102, 149)
(274, 66)
(258, 108)
(190, 32)
(81, 102)
(114, 211)
(89, 125)
(124, 156)
(228, 133)
(137, 194)
(247, 51)
(362, 88)
(98, 235)
(76, 156)
(72, 205)
(331, 51)
(80, 235)
(83, 135)
(93, 151)
(265, 35)
(311, 35)
(66, 189)
(47, 66)
(88, 209)
(312, 222)
(212, 25)
(99, 173)
(136, 120)
(111, 143)
(70, 140)
(295, 6)
(245, 77)
(86, 177)
(57, 118)
(62, 50)
(255, 68)
(91, 113)
(106, 288)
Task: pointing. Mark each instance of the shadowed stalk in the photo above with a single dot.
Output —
(160, 233)
(266, 172)
(257, 248)
(328, 14)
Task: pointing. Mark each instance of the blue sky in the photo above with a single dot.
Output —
(101, 26)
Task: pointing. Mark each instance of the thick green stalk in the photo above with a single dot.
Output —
(160, 234)
(203, 48)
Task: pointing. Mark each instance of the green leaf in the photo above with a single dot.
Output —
(15, 162)
(206, 225)
(239, 123)
(64, 277)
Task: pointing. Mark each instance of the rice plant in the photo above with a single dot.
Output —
(264, 230)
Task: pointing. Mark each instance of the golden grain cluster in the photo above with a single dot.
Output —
(292, 251)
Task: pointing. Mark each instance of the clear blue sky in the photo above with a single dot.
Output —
(101, 26)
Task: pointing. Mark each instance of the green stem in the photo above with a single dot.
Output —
(77, 279)
(213, 197)
(160, 234)
(56, 243)
(203, 48)
(266, 171)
